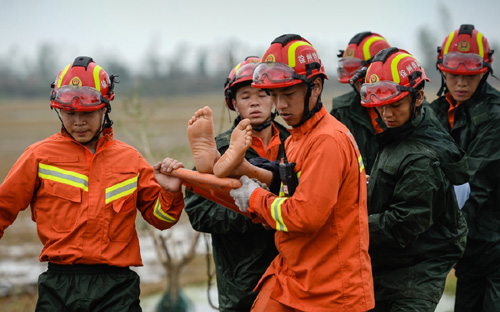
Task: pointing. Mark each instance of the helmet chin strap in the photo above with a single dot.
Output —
(414, 109)
(260, 127)
(106, 123)
(308, 114)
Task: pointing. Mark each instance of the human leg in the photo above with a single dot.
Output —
(241, 140)
(492, 294)
(48, 298)
(412, 305)
(471, 287)
(233, 162)
(200, 133)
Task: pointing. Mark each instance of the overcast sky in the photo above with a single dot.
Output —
(129, 29)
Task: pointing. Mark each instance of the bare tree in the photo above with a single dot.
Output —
(428, 48)
(174, 254)
(445, 19)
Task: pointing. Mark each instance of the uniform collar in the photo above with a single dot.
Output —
(302, 130)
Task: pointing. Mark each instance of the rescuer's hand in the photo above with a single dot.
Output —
(242, 195)
(168, 182)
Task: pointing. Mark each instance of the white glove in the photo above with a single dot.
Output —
(242, 195)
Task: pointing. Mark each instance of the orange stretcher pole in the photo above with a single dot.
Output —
(210, 187)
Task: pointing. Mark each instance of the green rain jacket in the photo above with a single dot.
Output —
(242, 250)
(477, 130)
(417, 232)
(348, 110)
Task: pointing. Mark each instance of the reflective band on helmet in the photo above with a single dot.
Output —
(88, 96)
(394, 66)
(384, 90)
(275, 72)
(291, 51)
(366, 47)
(62, 75)
(479, 39)
(470, 61)
(97, 83)
(448, 42)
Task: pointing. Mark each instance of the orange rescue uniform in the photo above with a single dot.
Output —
(85, 204)
(322, 230)
(270, 151)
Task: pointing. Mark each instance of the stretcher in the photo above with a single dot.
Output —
(210, 187)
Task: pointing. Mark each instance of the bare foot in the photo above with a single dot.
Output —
(241, 140)
(200, 133)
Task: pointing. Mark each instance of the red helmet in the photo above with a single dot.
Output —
(359, 52)
(243, 72)
(392, 75)
(289, 60)
(82, 86)
(465, 51)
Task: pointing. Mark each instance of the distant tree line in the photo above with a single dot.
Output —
(206, 72)
(156, 77)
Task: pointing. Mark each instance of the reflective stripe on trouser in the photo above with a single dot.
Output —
(109, 289)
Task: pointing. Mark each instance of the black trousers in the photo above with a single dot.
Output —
(478, 289)
(79, 288)
(405, 305)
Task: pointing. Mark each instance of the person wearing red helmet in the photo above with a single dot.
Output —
(242, 249)
(417, 232)
(470, 111)
(321, 223)
(84, 188)
(346, 107)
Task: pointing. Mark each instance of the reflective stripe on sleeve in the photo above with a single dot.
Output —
(121, 189)
(63, 176)
(361, 164)
(160, 214)
(276, 214)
